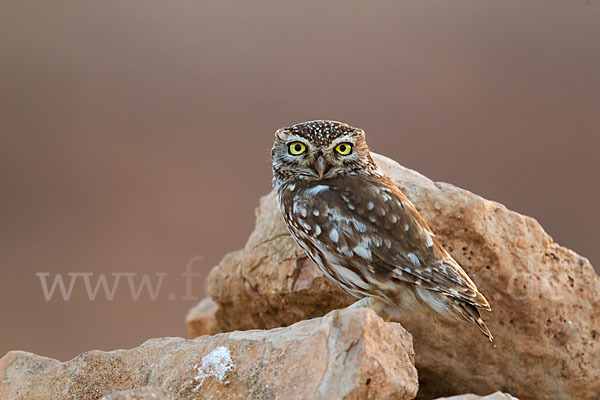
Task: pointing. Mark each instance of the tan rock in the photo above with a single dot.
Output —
(201, 320)
(545, 298)
(144, 393)
(493, 396)
(348, 354)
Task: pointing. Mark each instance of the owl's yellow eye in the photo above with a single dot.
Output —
(296, 148)
(344, 148)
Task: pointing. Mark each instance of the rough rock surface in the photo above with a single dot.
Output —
(201, 320)
(493, 396)
(144, 393)
(545, 298)
(348, 354)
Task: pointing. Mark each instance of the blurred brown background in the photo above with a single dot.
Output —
(135, 135)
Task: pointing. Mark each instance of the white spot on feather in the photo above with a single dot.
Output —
(370, 205)
(316, 190)
(428, 238)
(414, 259)
(350, 277)
(377, 240)
(345, 250)
(433, 300)
(299, 209)
(366, 241)
(333, 235)
(363, 252)
(359, 226)
(384, 193)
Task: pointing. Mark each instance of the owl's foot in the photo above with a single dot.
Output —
(376, 305)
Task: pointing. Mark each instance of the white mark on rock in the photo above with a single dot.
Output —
(217, 363)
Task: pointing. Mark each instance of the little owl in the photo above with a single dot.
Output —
(361, 230)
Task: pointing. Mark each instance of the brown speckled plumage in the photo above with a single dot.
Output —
(361, 230)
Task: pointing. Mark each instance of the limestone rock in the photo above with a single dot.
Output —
(348, 354)
(493, 396)
(144, 393)
(201, 319)
(545, 298)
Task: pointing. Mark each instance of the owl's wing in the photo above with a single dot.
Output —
(373, 224)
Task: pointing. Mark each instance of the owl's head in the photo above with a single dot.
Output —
(318, 150)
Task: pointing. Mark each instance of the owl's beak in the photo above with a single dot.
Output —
(320, 166)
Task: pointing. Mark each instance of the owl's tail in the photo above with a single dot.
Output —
(471, 313)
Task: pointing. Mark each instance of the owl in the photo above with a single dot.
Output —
(361, 230)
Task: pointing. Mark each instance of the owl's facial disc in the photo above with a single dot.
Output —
(317, 150)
